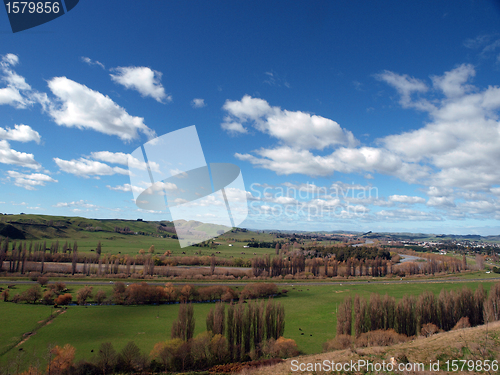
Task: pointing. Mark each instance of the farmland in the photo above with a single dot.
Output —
(310, 318)
(310, 300)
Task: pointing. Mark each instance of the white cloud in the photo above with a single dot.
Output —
(84, 108)
(406, 199)
(234, 128)
(143, 79)
(124, 159)
(89, 61)
(20, 133)
(80, 203)
(198, 103)
(441, 201)
(452, 83)
(85, 168)
(16, 85)
(10, 156)
(29, 181)
(287, 160)
(296, 129)
(126, 188)
(461, 141)
(406, 215)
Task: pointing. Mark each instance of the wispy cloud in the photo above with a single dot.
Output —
(89, 61)
(198, 103)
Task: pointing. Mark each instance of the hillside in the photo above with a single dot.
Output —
(477, 344)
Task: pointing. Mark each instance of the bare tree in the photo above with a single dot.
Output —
(344, 317)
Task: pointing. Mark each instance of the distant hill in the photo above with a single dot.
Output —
(37, 227)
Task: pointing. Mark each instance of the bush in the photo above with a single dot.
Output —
(35, 275)
(429, 329)
(338, 343)
(462, 323)
(48, 297)
(63, 299)
(42, 280)
(100, 296)
(281, 348)
(380, 338)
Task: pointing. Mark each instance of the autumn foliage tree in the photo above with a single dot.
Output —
(62, 359)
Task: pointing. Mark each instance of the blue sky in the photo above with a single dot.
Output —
(342, 115)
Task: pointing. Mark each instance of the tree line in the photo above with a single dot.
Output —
(138, 294)
(415, 315)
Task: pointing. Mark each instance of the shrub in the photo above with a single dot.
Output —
(100, 296)
(380, 338)
(5, 295)
(63, 299)
(32, 294)
(429, 329)
(280, 348)
(42, 280)
(48, 297)
(338, 343)
(83, 294)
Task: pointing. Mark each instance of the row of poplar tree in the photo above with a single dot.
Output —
(246, 326)
(411, 313)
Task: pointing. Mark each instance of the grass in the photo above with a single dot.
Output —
(310, 308)
(41, 228)
(19, 319)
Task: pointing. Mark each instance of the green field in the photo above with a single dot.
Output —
(311, 308)
(39, 228)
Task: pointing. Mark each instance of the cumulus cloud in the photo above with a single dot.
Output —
(80, 203)
(293, 128)
(29, 181)
(126, 188)
(454, 154)
(20, 133)
(461, 140)
(81, 107)
(142, 79)
(198, 103)
(10, 156)
(287, 160)
(406, 199)
(86, 168)
(124, 159)
(406, 215)
(12, 94)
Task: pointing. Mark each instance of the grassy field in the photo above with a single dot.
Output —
(310, 308)
(39, 228)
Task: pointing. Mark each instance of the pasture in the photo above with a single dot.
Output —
(310, 318)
